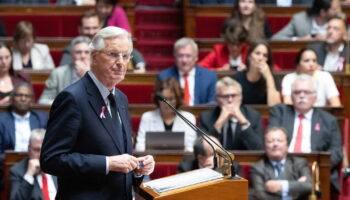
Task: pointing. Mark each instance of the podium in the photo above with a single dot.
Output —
(222, 188)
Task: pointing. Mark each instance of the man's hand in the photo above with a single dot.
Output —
(147, 165)
(122, 163)
(81, 67)
(33, 167)
(273, 186)
(302, 179)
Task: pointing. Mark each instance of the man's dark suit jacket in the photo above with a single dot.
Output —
(325, 133)
(78, 139)
(321, 50)
(37, 119)
(204, 86)
(20, 188)
(249, 139)
(294, 168)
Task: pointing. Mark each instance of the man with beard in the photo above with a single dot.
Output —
(309, 129)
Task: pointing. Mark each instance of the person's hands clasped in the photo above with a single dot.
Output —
(147, 165)
(273, 186)
(33, 167)
(123, 163)
(264, 70)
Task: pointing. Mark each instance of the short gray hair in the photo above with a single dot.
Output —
(98, 42)
(304, 78)
(80, 39)
(227, 81)
(37, 134)
(183, 42)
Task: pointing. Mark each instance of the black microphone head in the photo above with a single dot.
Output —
(160, 96)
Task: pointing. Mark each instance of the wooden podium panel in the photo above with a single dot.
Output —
(217, 189)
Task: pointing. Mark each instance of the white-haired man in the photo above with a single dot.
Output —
(88, 140)
(309, 129)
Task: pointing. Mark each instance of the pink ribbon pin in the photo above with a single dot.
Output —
(317, 127)
(102, 114)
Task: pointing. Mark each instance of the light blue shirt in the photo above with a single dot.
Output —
(22, 131)
(285, 184)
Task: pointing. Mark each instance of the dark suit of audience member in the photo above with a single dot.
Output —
(3, 32)
(236, 126)
(271, 175)
(324, 131)
(200, 81)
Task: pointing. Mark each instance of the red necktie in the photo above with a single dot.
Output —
(299, 138)
(186, 90)
(45, 187)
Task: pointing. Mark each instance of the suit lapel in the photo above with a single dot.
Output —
(11, 127)
(96, 102)
(315, 137)
(197, 84)
(124, 117)
(290, 122)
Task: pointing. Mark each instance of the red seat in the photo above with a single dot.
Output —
(56, 57)
(135, 121)
(38, 90)
(137, 94)
(163, 170)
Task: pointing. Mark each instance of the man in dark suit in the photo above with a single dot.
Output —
(279, 176)
(198, 83)
(310, 129)
(236, 126)
(17, 123)
(331, 52)
(27, 180)
(88, 139)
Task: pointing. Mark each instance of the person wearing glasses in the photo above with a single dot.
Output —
(88, 139)
(63, 76)
(309, 129)
(238, 127)
(306, 62)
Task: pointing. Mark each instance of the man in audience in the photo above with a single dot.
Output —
(331, 52)
(278, 175)
(89, 25)
(237, 127)
(310, 25)
(63, 76)
(310, 129)
(27, 179)
(17, 123)
(197, 82)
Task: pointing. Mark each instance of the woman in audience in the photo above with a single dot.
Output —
(231, 55)
(8, 77)
(163, 118)
(26, 53)
(252, 18)
(111, 15)
(306, 63)
(258, 83)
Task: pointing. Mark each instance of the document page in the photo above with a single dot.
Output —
(183, 180)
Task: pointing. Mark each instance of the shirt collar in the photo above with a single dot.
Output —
(19, 117)
(103, 90)
(307, 115)
(190, 73)
(283, 161)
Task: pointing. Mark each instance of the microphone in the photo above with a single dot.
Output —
(204, 135)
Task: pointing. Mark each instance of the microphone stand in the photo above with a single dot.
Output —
(228, 170)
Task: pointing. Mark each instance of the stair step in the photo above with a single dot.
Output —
(162, 16)
(155, 47)
(158, 32)
(159, 63)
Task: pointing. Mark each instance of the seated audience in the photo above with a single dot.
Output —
(76, 2)
(310, 129)
(212, 2)
(18, 121)
(8, 77)
(306, 62)
(258, 83)
(309, 25)
(279, 175)
(27, 179)
(63, 76)
(26, 53)
(25, 1)
(252, 18)
(238, 127)
(197, 82)
(165, 119)
(89, 25)
(286, 3)
(232, 54)
(112, 15)
(331, 52)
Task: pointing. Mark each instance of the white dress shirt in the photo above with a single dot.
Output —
(306, 139)
(22, 131)
(334, 62)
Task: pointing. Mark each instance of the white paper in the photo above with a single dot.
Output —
(183, 180)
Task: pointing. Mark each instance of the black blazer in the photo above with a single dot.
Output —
(78, 140)
(249, 139)
(325, 133)
(20, 188)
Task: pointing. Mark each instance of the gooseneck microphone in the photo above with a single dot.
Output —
(204, 135)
